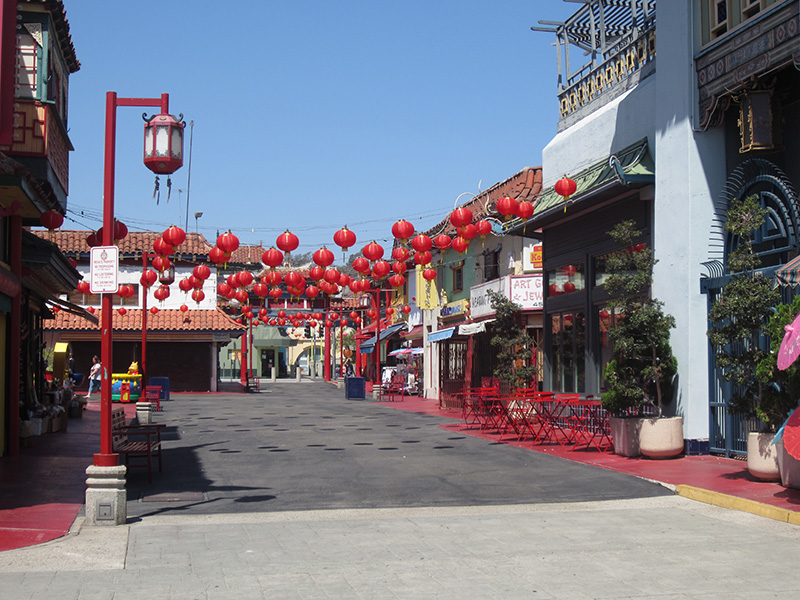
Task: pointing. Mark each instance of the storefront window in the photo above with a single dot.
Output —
(568, 339)
(566, 279)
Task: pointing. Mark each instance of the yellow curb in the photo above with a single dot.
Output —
(732, 502)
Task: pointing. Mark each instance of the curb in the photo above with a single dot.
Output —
(735, 503)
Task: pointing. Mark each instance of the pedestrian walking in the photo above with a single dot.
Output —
(94, 377)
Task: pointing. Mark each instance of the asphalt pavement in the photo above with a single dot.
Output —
(296, 492)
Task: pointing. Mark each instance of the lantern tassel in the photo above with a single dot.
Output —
(169, 187)
(156, 192)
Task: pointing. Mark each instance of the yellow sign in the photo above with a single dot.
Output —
(536, 256)
(427, 294)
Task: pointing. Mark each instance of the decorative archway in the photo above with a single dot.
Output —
(779, 238)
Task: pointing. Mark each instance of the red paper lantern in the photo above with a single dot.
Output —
(331, 276)
(507, 207)
(397, 281)
(344, 279)
(125, 291)
(223, 289)
(153, 310)
(460, 217)
(241, 296)
(84, 287)
(312, 291)
(198, 296)
(406, 308)
(569, 287)
(272, 258)
(565, 187)
(570, 270)
(443, 241)
(260, 290)
(334, 316)
(228, 242)
(402, 230)
(294, 279)
(275, 293)
(184, 308)
(353, 315)
(245, 278)
(401, 254)
(399, 267)
(460, 245)
(148, 278)
(162, 247)
(423, 258)
(422, 243)
(174, 235)
(554, 291)
(389, 311)
(233, 280)
(469, 231)
(162, 293)
(272, 278)
(93, 240)
(120, 230)
(344, 238)
(484, 227)
(122, 310)
(361, 265)
(161, 263)
(380, 269)
(429, 274)
(373, 251)
(218, 256)
(202, 272)
(51, 219)
(185, 285)
(287, 241)
(525, 210)
(323, 257)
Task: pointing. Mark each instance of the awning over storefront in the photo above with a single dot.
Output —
(789, 274)
(473, 328)
(442, 334)
(369, 345)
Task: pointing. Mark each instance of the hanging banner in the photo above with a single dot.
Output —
(427, 294)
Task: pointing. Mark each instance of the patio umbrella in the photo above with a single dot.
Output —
(790, 346)
(791, 435)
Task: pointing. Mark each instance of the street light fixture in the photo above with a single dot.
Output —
(197, 215)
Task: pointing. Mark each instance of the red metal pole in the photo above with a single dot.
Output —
(326, 365)
(243, 359)
(15, 337)
(106, 457)
(250, 352)
(143, 369)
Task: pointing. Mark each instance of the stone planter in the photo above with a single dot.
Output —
(788, 467)
(762, 456)
(625, 435)
(144, 413)
(661, 438)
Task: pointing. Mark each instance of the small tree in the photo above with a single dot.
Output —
(643, 367)
(740, 314)
(515, 348)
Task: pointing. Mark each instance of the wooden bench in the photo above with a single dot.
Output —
(145, 448)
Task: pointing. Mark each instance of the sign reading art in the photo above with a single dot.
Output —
(524, 290)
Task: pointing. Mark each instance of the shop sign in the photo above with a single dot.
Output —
(532, 256)
(452, 309)
(480, 304)
(527, 291)
(103, 270)
(427, 293)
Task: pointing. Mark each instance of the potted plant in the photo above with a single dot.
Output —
(515, 348)
(643, 368)
(739, 321)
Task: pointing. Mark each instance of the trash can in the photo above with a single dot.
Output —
(164, 383)
(354, 388)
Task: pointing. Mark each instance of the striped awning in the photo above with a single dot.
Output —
(789, 274)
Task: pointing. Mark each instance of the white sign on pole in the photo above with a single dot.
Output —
(104, 268)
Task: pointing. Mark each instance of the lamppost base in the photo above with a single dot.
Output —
(106, 502)
(106, 460)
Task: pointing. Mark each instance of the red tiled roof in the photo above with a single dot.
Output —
(525, 185)
(163, 320)
(136, 242)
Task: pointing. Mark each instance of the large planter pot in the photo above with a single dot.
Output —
(625, 435)
(661, 438)
(788, 467)
(762, 456)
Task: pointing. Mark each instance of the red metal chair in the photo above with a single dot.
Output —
(152, 394)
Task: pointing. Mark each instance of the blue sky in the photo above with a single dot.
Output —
(310, 114)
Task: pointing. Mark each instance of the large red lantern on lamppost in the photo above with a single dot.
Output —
(163, 154)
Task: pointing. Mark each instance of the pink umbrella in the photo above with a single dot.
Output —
(790, 346)
(791, 434)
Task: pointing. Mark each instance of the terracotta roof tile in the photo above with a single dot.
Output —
(73, 242)
(525, 185)
(163, 320)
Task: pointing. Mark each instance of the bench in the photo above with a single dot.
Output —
(396, 387)
(145, 448)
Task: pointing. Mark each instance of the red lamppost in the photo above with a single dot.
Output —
(163, 154)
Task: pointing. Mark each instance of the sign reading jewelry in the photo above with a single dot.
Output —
(524, 290)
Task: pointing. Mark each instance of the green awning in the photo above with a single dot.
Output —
(631, 166)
